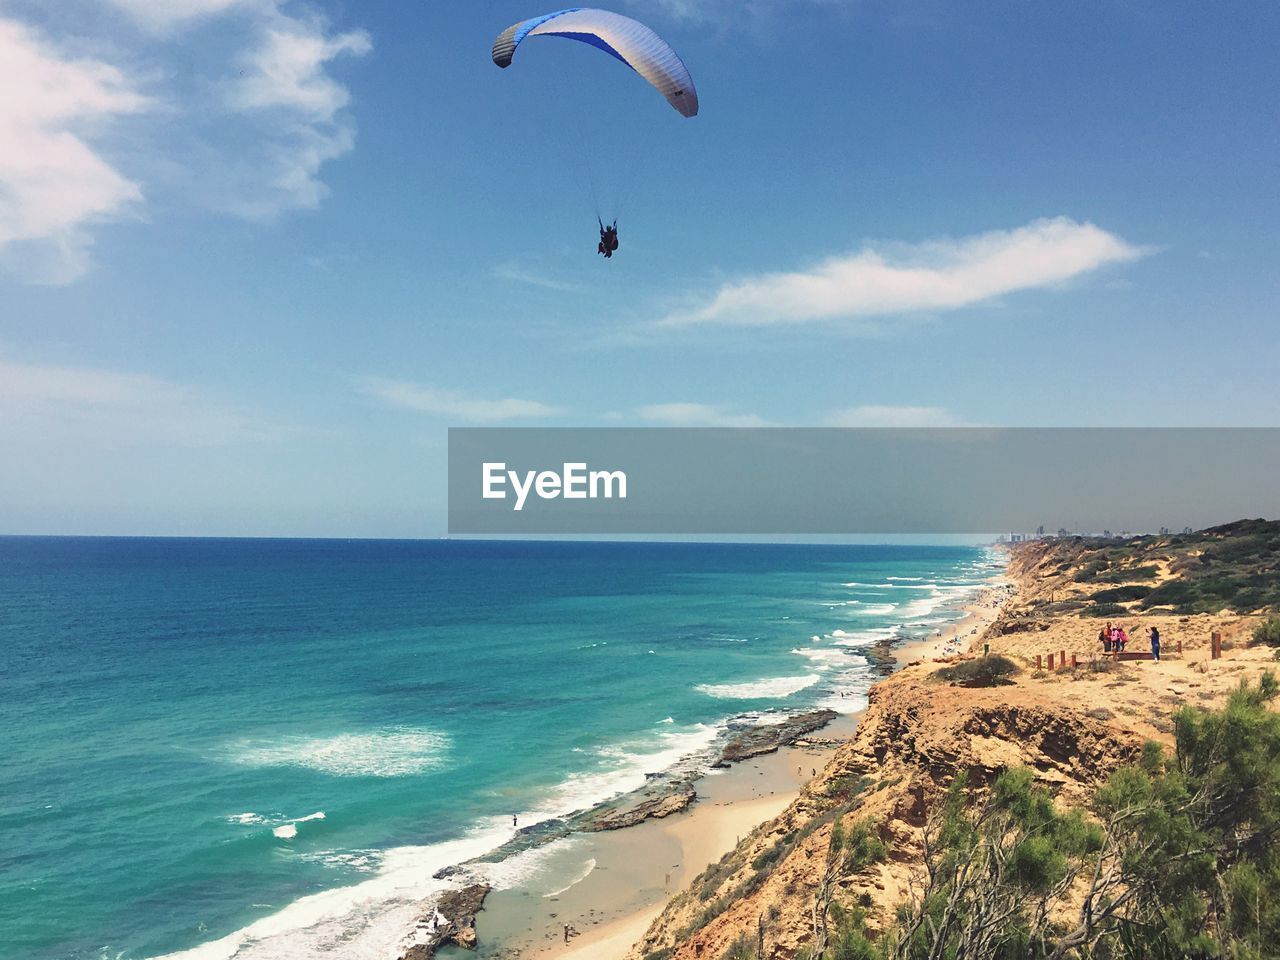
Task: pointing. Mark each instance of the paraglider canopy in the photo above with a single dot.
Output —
(628, 40)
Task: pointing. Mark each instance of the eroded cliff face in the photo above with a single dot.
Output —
(1071, 727)
(917, 736)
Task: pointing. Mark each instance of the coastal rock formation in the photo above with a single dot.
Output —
(916, 738)
(1071, 726)
(451, 921)
(755, 740)
(653, 808)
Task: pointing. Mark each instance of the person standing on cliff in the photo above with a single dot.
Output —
(1155, 644)
(1105, 637)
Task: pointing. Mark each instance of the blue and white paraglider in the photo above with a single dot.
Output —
(629, 40)
(623, 38)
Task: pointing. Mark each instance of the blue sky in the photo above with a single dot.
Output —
(256, 256)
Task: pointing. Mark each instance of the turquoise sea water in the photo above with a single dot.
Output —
(257, 748)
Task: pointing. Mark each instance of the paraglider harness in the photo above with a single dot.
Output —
(608, 239)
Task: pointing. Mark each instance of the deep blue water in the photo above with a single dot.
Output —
(176, 713)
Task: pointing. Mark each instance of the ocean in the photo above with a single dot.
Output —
(266, 748)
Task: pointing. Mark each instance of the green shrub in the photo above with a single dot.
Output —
(1268, 632)
(769, 857)
(991, 671)
(1091, 570)
(1129, 575)
(1106, 610)
(1121, 594)
(743, 948)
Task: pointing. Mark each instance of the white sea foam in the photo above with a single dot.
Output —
(758, 689)
(394, 752)
(880, 587)
(586, 871)
(825, 656)
(363, 921)
(863, 638)
(289, 829)
(854, 699)
(523, 869)
(877, 609)
(363, 861)
(625, 767)
(247, 819)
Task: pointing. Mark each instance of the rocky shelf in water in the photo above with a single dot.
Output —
(452, 921)
(752, 741)
(662, 795)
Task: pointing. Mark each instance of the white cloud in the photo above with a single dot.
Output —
(287, 71)
(297, 118)
(698, 415)
(53, 184)
(167, 13)
(935, 276)
(518, 274)
(111, 408)
(246, 118)
(447, 403)
(876, 415)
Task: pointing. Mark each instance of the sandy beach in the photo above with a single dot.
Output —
(956, 637)
(638, 868)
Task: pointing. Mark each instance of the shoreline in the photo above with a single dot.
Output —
(979, 614)
(730, 803)
(638, 868)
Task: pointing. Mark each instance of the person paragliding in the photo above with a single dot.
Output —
(608, 239)
(627, 40)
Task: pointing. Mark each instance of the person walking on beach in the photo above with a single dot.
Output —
(1155, 644)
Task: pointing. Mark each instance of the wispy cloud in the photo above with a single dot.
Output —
(697, 415)
(53, 183)
(245, 118)
(299, 107)
(518, 274)
(900, 279)
(164, 14)
(448, 403)
(98, 407)
(877, 415)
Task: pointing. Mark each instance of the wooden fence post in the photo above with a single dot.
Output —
(1039, 664)
(1051, 661)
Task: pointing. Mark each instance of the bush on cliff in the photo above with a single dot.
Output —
(1129, 574)
(1268, 632)
(1121, 594)
(995, 871)
(1197, 861)
(1106, 610)
(1185, 862)
(990, 671)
